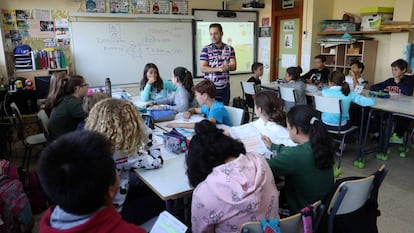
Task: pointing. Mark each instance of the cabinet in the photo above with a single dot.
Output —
(24, 62)
(339, 57)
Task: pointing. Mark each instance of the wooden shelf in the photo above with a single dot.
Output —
(362, 32)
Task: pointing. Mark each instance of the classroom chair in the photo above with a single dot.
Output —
(29, 141)
(249, 88)
(334, 105)
(235, 114)
(291, 224)
(44, 122)
(405, 147)
(288, 95)
(357, 196)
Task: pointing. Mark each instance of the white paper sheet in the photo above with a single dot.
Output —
(251, 138)
(167, 223)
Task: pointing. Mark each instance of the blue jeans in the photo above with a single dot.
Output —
(223, 95)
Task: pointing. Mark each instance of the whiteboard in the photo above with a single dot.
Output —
(120, 50)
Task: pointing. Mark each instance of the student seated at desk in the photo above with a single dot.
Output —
(257, 70)
(183, 97)
(399, 83)
(56, 91)
(292, 80)
(120, 121)
(307, 167)
(319, 74)
(339, 88)
(152, 86)
(67, 114)
(272, 119)
(214, 110)
(354, 79)
(88, 102)
(78, 174)
(231, 187)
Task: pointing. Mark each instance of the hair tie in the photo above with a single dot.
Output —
(312, 120)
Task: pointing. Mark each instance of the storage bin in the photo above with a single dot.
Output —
(337, 26)
(373, 17)
(354, 50)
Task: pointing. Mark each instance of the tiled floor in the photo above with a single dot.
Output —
(396, 196)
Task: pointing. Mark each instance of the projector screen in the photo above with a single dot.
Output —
(240, 32)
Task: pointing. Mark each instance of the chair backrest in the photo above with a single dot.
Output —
(350, 196)
(44, 120)
(235, 114)
(248, 88)
(287, 94)
(327, 104)
(19, 121)
(291, 224)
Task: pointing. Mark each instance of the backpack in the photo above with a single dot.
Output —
(15, 210)
(238, 102)
(38, 200)
(8, 169)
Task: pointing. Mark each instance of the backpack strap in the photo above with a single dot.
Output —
(307, 215)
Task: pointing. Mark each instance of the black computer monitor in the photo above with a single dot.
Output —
(42, 84)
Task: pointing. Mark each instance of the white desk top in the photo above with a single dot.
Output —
(397, 104)
(170, 181)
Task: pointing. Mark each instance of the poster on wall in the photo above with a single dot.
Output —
(288, 42)
(264, 32)
(161, 7)
(179, 7)
(119, 6)
(39, 14)
(140, 6)
(97, 6)
(289, 26)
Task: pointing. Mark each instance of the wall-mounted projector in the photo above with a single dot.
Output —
(226, 14)
(253, 4)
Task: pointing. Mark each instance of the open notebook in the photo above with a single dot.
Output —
(167, 223)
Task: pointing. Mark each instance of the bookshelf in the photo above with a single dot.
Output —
(24, 62)
(339, 56)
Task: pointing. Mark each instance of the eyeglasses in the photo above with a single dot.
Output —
(84, 84)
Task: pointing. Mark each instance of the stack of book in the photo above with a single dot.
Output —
(49, 59)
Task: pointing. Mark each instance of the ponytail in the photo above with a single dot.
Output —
(271, 106)
(294, 72)
(338, 78)
(186, 78)
(306, 119)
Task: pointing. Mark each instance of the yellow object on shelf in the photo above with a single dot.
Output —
(354, 50)
(377, 10)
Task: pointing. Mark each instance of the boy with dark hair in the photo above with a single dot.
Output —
(319, 74)
(257, 70)
(399, 83)
(78, 173)
(354, 79)
(213, 110)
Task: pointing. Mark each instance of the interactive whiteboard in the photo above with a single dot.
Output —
(120, 50)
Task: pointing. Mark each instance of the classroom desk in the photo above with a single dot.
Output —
(274, 86)
(169, 182)
(397, 104)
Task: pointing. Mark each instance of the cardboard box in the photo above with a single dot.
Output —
(373, 22)
(373, 17)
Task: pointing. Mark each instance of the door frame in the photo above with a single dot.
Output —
(277, 16)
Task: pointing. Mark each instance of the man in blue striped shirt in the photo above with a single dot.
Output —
(216, 60)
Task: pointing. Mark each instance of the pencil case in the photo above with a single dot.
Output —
(160, 115)
(175, 142)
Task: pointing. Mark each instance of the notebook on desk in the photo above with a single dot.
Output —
(167, 223)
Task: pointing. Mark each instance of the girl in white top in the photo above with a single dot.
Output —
(272, 119)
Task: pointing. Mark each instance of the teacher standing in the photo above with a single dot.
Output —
(216, 60)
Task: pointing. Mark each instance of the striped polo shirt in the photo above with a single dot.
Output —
(217, 57)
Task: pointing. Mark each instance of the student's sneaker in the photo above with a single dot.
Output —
(395, 139)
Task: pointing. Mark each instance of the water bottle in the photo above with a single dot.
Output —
(108, 87)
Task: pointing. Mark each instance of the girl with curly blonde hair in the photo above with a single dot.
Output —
(120, 121)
